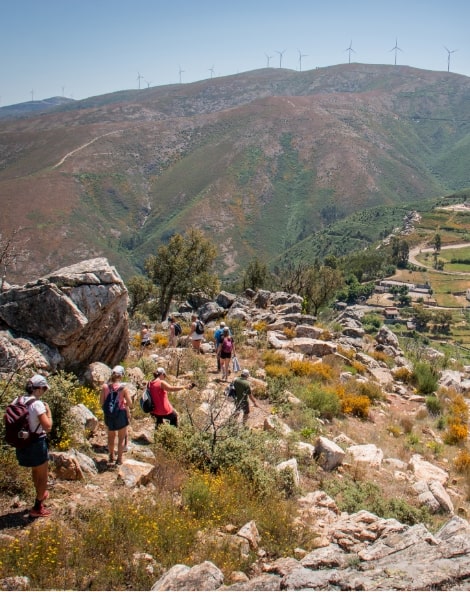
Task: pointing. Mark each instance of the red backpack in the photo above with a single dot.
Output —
(227, 345)
(16, 421)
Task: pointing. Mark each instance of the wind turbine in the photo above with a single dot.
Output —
(211, 70)
(281, 53)
(268, 57)
(350, 49)
(448, 56)
(148, 83)
(395, 49)
(180, 72)
(301, 55)
(32, 95)
(139, 78)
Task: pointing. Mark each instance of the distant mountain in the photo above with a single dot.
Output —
(32, 108)
(261, 161)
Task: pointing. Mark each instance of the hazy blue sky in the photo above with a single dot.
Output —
(81, 48)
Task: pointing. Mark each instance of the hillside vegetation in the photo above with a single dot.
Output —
(261, 161)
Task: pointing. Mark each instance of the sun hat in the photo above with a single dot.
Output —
(245, 373)
(118, 370)
(38, 381)
(222, 324)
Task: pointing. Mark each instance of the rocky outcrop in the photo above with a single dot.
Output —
(66, 320)
(365, 553)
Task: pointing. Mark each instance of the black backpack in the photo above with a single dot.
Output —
(230, 391)
(146, 403)
(110, 406)
(16, 421)
(199, 327)
(178, 329)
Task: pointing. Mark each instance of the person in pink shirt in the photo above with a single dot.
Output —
(162, 408)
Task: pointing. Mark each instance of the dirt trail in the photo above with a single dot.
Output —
(62, 160)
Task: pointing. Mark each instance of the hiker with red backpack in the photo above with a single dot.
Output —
(31, 446)
(225, 351)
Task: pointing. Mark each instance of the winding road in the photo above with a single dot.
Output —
(421, 249)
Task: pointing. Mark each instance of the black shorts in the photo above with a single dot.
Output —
(115, 423)
(33, 455)
(225, 355)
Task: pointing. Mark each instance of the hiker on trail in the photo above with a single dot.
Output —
(172, 341)
(197, 333)
(218, 334)
(36, 455)
(162, 408)
(116, 403)
(145, 336)
(243, 395)
(225, 351)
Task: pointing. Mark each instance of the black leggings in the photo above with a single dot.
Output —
(171, 417)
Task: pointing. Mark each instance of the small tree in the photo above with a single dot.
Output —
(11, 251)
(140, 289)
(256, 275)
(182, 267)
(321, 286)
(422, 316)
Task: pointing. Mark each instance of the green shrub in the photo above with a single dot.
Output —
(425, 378)
(353, 496)
(323, 400)
(14, 480)
(433, 405)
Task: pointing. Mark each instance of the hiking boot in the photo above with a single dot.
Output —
(41, 512)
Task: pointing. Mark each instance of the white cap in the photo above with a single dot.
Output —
(222, 324)
(38, 381)
(161, 370)
(245, 373)
(118, 370)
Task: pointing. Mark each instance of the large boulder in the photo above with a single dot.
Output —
(74, 316)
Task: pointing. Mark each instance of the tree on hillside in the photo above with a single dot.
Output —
(437, 243)
(400, 252)
(11, 251)
(182, 267)
(421, 317)
(321, 285)
(256, 275)
(140, 289)
(291, 277)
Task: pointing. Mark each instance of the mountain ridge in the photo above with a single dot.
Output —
(259, 161)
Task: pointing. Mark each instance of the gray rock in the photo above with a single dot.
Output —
(264, 582)
(225, 299)
(17, 583)
(69, 312)
(205, 576)
(328, 454)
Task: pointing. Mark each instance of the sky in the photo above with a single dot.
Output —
(84, 48)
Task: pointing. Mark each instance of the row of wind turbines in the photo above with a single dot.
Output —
(349, 49)
(397, 49)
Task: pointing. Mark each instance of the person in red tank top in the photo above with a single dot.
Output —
(162, 408)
